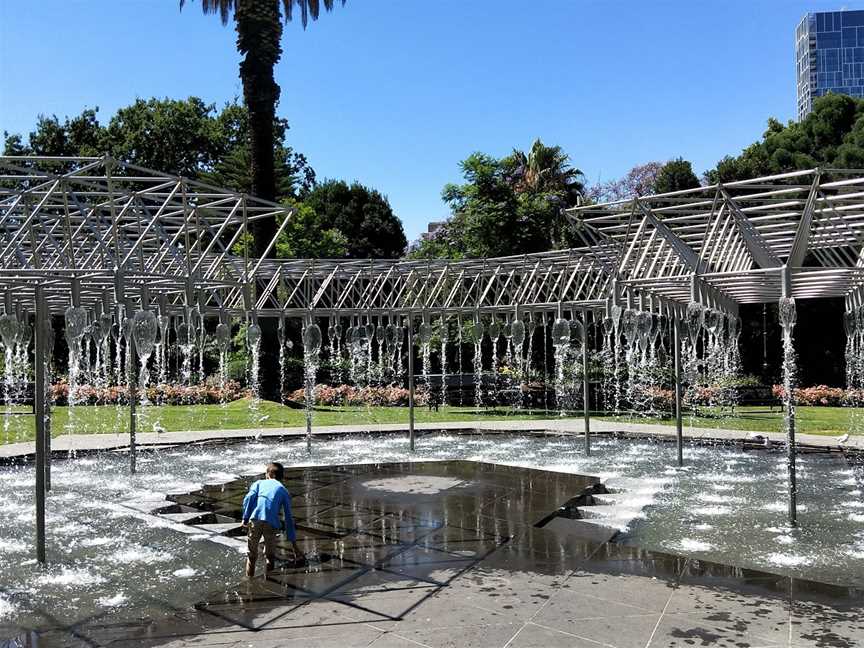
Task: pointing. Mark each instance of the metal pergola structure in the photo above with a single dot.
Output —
(576, 279)
(111, 237)
(798, 235)
(778, 238)
(121, 232)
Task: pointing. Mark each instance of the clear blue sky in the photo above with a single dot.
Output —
(395, 93)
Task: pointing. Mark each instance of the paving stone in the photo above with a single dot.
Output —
(638, 591)
(465, 566)
(631, 631)
(536, 636)
(472, 636)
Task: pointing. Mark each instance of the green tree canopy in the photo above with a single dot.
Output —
(181, 136)
(832, 135)
(675, 175)
(510, 205)
(308, 235)
(362, 215)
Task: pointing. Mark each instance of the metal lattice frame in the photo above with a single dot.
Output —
(795, 234)
(123, 233)
(120, 232)
(94, 231)
(537, 282)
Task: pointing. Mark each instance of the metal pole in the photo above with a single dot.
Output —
(586, 398)
(132, 379)
(789, 389)
(39, 406)
(48, 348)
(411, 382)
(791, 452)
(310, 388)
(679, 425)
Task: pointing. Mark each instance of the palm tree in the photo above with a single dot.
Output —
(258, 24)
(545, 172)
(546, 169)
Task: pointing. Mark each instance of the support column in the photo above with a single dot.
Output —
(39, 361)
(586, 384)
(48, 347)
(411, 382)
(787, 322)
(309, 383)
(132, 380)
(679, 423)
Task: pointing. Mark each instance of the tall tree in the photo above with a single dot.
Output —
(832, 135)
(545, 170)
(181, 136)
(258, 24)
(510, 205)
(362, 215)
(675, 175)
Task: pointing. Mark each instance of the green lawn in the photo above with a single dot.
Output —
(109, 419)
(810, 420)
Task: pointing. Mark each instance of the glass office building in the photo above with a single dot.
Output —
(829, 56)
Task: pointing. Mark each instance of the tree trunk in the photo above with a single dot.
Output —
(259, 32)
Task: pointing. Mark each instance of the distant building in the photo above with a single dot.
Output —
(829, 56)
(431, 230)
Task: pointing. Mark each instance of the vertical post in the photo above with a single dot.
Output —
(791, 452)
(309, 381)
(411, 382)
(679, 425)
(39, 406)
(47, 401)
(787, 320)
(132, 380)
(586, 398)
(48, 349)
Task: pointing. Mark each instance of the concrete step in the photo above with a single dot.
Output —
(625, 502)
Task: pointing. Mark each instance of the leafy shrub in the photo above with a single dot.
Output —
(385, 396)
(167, 394)
(819, 395)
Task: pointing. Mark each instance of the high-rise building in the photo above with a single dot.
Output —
(829, 56)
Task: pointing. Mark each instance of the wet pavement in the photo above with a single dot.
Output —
(450, 554)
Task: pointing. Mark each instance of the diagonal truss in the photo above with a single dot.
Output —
(104, 231)
(734, 242)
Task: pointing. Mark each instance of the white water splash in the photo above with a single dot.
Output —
(788, 560)
(112, 601)
(70, 577)
(691, 544)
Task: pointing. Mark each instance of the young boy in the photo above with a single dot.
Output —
(261, 506)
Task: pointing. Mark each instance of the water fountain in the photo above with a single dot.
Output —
(311, 347)
(443, 337)
(142, 218)
(788, 316)
(144, 329)
(475, 331)
(424, 335)
(494, 331)
(561, 344)
(9, 333)
(518, 332)
(223, 343)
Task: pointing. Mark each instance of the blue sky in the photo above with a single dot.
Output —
(395, 93)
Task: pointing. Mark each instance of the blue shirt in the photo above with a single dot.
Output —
(263, 502)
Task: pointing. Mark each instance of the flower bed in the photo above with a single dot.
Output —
(391, 396)
(821, 395)
(167, 394)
